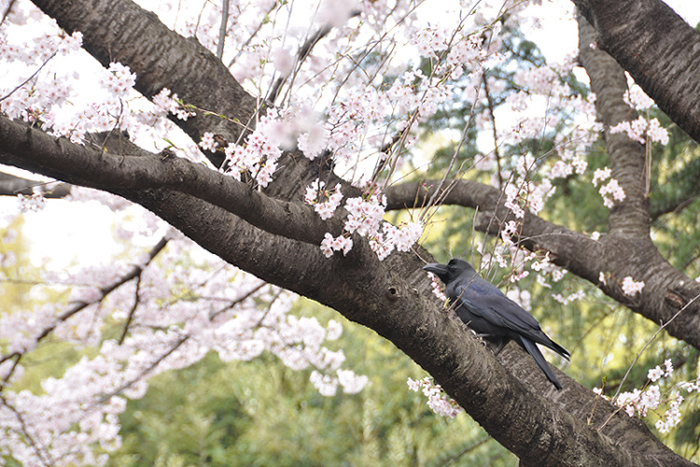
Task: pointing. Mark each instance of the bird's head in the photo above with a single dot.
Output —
(450, 271)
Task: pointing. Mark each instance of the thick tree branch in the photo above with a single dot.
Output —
(139, 170)
(629, 217)
(657, 48)
(617, 256)
(121, 31)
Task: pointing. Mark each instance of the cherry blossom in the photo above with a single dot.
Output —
(208, 143)
(329, 244)
(438, 401)
(118, 80)
(630, 287)
(356, 114)
(437, 287)
(315, 194)
(641, 127)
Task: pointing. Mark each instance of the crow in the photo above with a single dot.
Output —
(492, 315)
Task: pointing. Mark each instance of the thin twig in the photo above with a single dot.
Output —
(7, 11)
(25, 431)
(133, 309)
(30, 78)
(639, 354)
(222, 30)
(489, 101)
(464, 451)
(243, 46)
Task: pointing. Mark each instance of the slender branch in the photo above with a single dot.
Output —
(7, 11)
(25, 432)
(135, 271)
(491, 106)
(137, 299)
(30, 78)
(466, 450)
(222, 30)
(32, 148)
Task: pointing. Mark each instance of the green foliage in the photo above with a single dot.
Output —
(261, 413)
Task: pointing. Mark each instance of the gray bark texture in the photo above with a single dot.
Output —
(273, 235)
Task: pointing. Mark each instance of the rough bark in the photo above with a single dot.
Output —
(121, 31)
(391, 298)
(657, 48)
(627, 249)
(517, 406)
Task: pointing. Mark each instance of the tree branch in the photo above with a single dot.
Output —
(30, 148)
(615, 255)
(646, 44)
(121, 31)
(627, 157)
(11, 185)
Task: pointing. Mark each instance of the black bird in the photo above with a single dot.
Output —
(485, 309)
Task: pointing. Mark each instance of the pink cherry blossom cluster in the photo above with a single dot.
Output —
(508, 254)
(118, 80)
(429, 40)
(365, 214)
(438, 401)
(329, 244)
(176, 315)
(35, 87)
(314, 141)
(611, 191)
(258, 157)
(34, 202)
(650, 398)
(642, 128)
(327, 385)
(631, 287)
(364, 217)
(579, 295)
(637, 98)
(166, 103)
(437, 287)
(324, 201)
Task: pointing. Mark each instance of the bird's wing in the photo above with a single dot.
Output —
(487, 301)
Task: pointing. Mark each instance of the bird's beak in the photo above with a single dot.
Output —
(436, 268)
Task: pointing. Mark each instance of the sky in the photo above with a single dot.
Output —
(58, 234)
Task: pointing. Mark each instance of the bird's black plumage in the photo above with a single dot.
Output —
(485, 309)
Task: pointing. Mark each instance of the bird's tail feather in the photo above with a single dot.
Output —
(542, 339)
(557, 348)
(535, 353)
